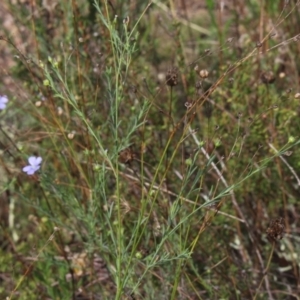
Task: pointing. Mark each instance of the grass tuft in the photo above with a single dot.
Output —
(149, 150)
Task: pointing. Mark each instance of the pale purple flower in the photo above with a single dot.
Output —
(34, 165)
(3, 101)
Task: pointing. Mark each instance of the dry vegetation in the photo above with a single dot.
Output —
(169, 139)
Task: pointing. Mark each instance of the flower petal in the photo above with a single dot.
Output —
(3, 99)
(35, 168)
(38, 160)
(34, 160)
(29, 170)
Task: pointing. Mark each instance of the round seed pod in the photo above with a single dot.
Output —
(203, 73)
(267, 77)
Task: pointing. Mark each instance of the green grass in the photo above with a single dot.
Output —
(157, 181)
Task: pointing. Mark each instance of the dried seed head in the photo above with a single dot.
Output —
(188, 105)
(71, 135)
(210, 146)
(282, 75)
(126, 21)
(297, 96)
(60, 111)
(258, 44)
(275, 230)
(288, 153)
(126, 156)
(172, 77)
(133, 89)
(203, 73)
(267, 77)
(198, 87)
